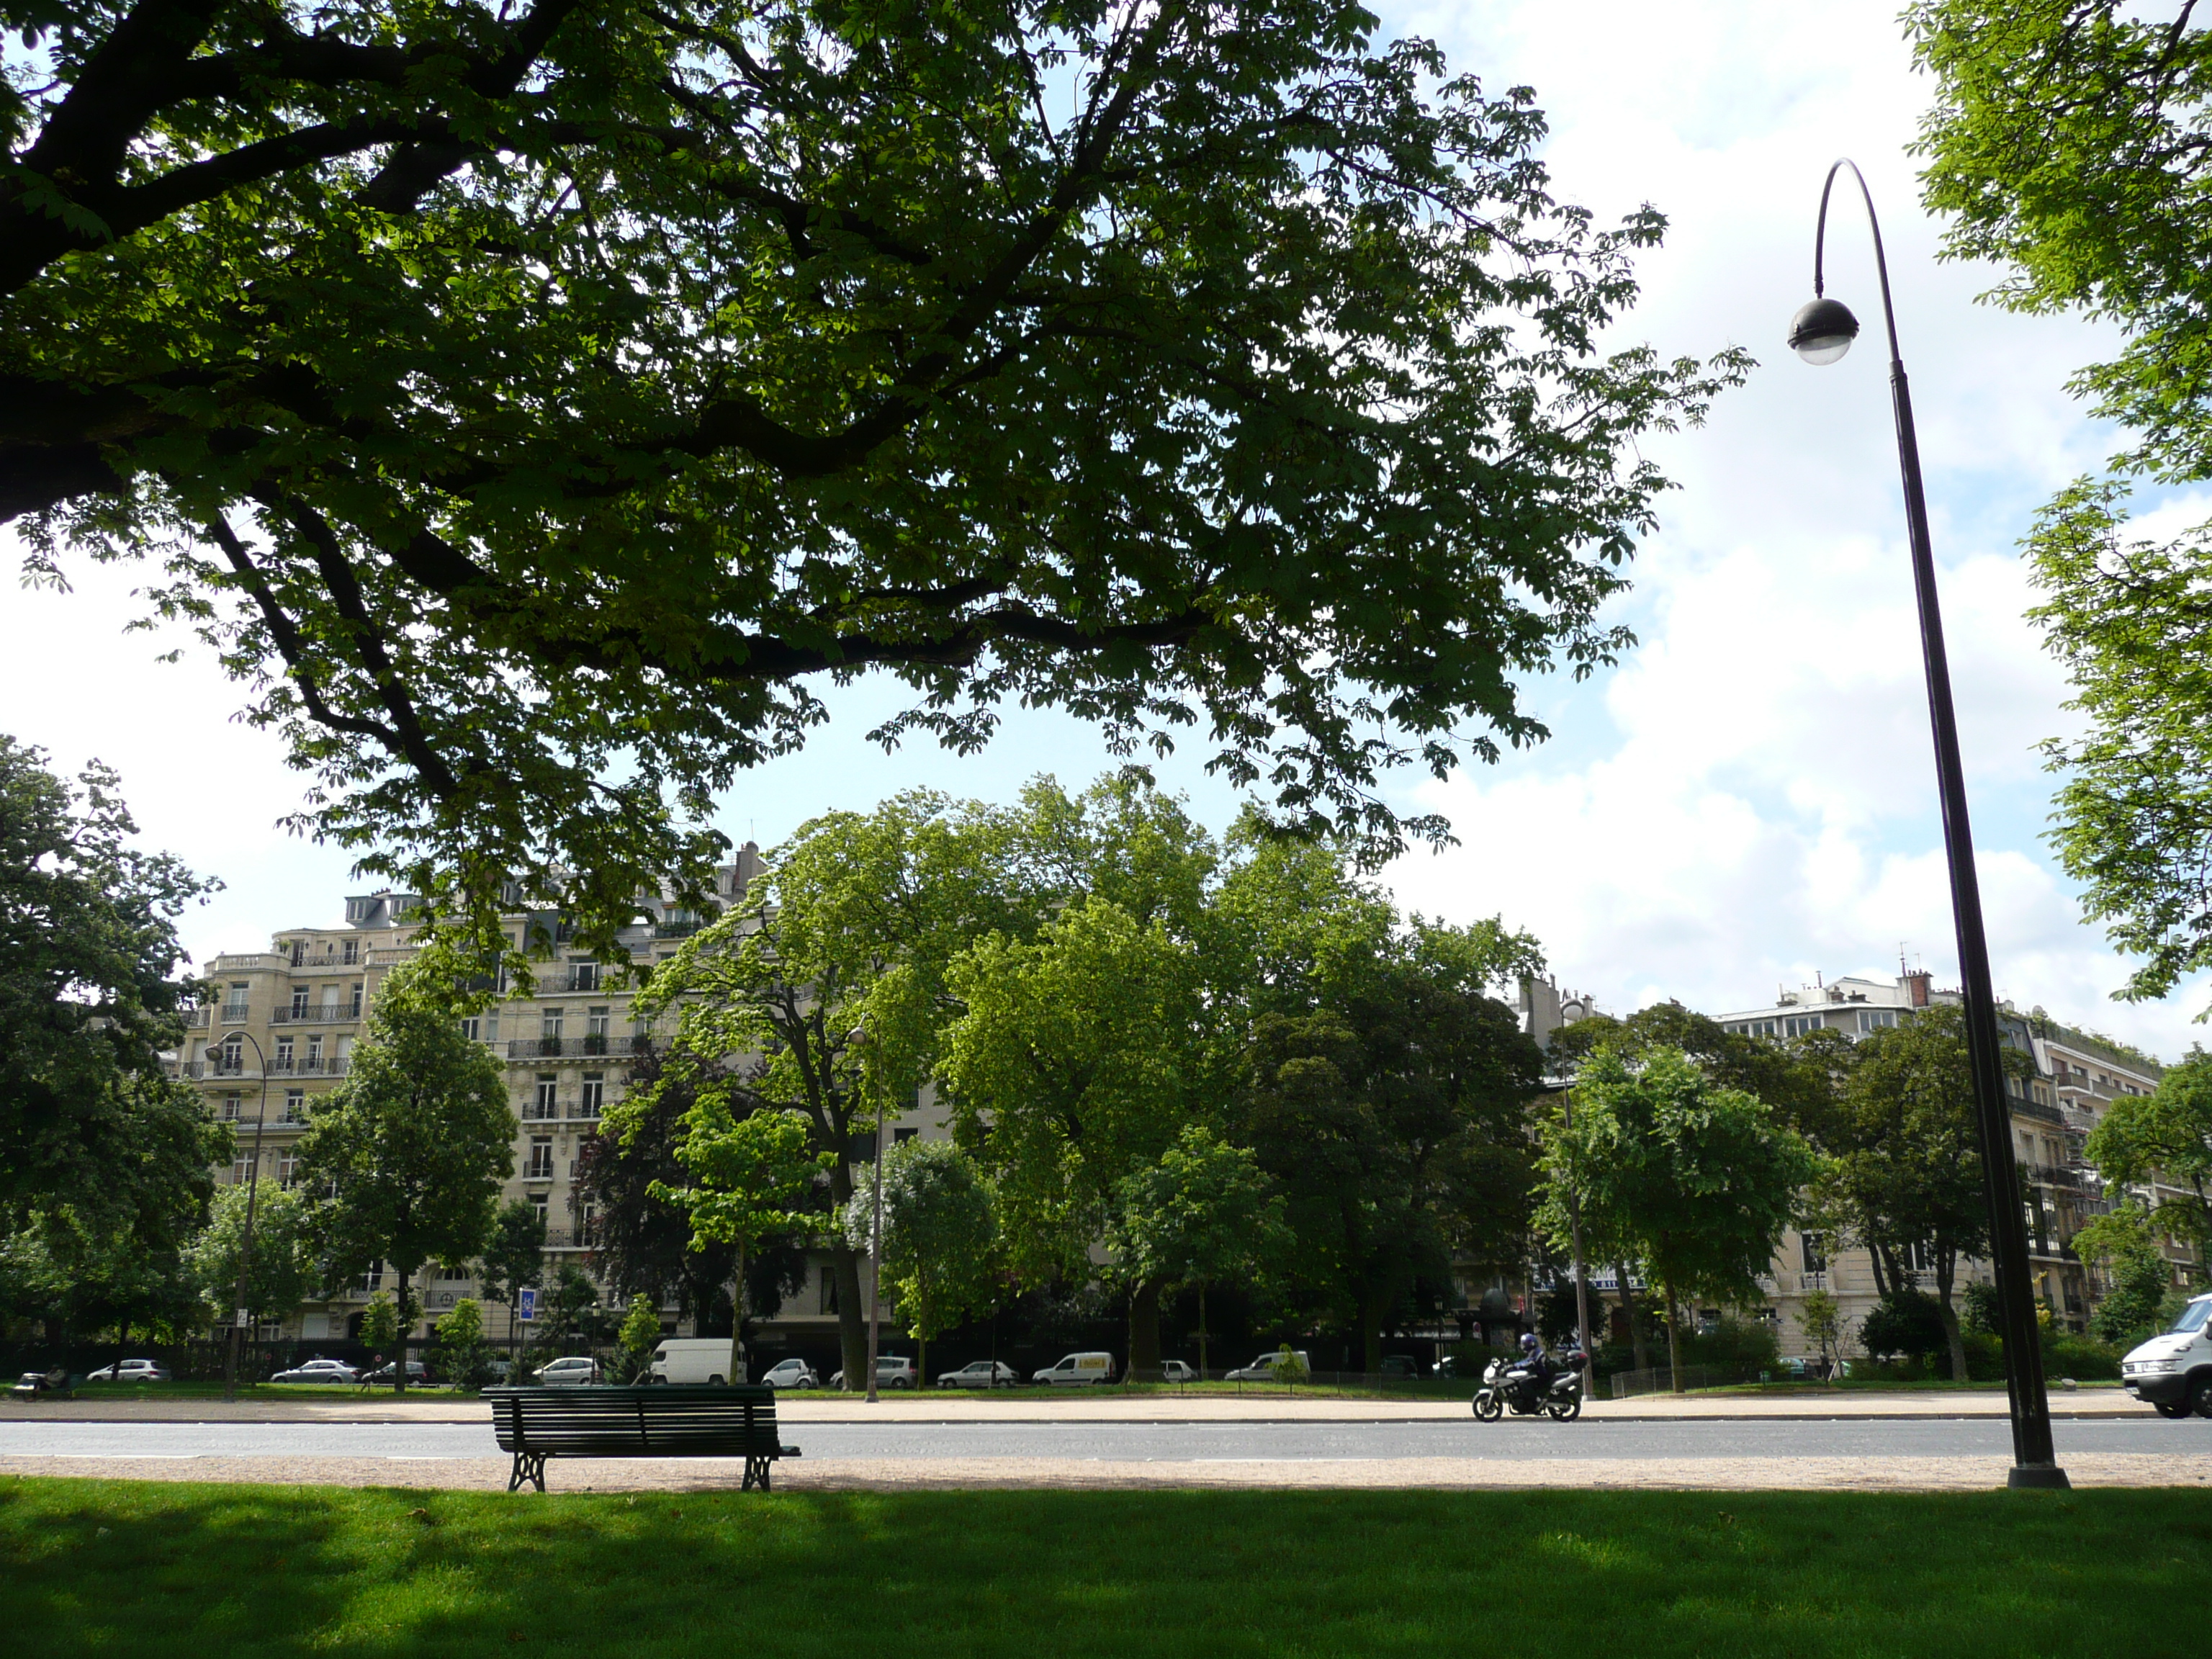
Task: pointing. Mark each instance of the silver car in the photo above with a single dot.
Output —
(319, 1370)
(793, 1373)
(575, 1372)
(130, 1371)
(981, 1374)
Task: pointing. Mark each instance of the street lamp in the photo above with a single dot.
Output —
(1821, 332)
(253, 1191)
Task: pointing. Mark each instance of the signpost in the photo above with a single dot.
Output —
(526, 1309)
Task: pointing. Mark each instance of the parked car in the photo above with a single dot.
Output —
(319, 1370)
(793, 1373)
(981, 1374)
(1263, 1369)
(388, 1374)
(1078, 1368)
(893, 1370)
(573, 1371)
(130, 1371)
(1174, 1370)
(1398, 1367)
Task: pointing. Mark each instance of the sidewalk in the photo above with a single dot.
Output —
(806, 1407)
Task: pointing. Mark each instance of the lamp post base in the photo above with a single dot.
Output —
(2044, 1477)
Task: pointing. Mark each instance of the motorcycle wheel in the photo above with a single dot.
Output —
(1564, 1411)
(1487, 1408)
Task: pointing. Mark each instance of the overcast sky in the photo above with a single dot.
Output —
(1749, 799)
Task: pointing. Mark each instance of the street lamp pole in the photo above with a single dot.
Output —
(876, 1227)
(246, 1247)
(1821, 333)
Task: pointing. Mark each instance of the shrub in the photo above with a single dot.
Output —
(2081, 1357)
(1753, 1344)
(1907, 1323)
(460, 1352)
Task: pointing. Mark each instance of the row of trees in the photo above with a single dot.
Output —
(1180, 1054)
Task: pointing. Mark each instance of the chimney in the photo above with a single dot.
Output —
(1916, 987)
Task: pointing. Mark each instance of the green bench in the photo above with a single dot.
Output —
(657, 1421)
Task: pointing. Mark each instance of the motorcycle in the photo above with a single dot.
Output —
(1515, 1386)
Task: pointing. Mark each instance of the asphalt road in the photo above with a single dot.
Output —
(1168, 1442)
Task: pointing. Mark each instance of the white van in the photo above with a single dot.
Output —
(693, 1359)
(1078, 1368)
(2173, 1370)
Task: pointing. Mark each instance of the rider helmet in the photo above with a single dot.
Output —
(1529, 1345)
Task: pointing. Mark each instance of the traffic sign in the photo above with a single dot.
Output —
(526, 1309)
(242, 1320)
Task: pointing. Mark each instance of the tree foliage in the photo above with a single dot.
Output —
(939, 1239)
(531, 408)
(1205, 1213)
(286, 1266)
(411, 1149)
(2067, 142)
(2165, 1136)
(1693, 1179)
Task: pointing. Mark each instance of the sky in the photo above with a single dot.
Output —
(1748, 799)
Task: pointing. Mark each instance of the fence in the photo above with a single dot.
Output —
(1659, 1379)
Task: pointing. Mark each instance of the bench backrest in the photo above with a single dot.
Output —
(640, 1422)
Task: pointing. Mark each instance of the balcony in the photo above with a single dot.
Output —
(326, 962)
(195, 1019)
(594, 1046)
(676, 929)
(309, 1066)
(236, 1014)
(328, 1013)
(196, 1070)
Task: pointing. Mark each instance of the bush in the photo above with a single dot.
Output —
(1985, 1357)
(459, 1352)
(1753, 1344)
(1906, 1324)
(2081, 1357)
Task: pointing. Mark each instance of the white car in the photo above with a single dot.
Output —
(1174, 1370)
(791, 1374)
(1078, 1368)
(577, 1371)
(981, 1374)
(130, 1371)
(319, 1370)
(1263, 1369)
(893, 1370)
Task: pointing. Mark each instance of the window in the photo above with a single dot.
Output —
(296, 1105)
(358, 909)
(241, 1168)
(230, 1107)
(283, 1054)
(351, 952)
(288, 1168)
(540, 1205)
(541, 1158)
(472, 1029)
(583, 975)
(299, 1002)
(354, 1012)
(549, 1023)
(1801, 1025)
(234, 1056)
(900, 1137)
(234, 1003)
(549, 1086)
(594, 1095)
(1815, 1250)
(315, 1051)
(1876, 1020)
(596, 1023)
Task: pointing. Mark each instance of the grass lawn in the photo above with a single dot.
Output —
(112, 1567)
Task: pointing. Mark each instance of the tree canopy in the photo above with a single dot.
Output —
(534, 408)
(2068, 142)
(2164, 1136)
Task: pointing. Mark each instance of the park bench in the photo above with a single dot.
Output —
(654, 1421)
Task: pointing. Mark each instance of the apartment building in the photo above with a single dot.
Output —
(281, 1028)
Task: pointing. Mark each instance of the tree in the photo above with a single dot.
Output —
(381, 1325)
(1905, 1176)
(571, 1308)
(413, 1148)
(1204, 1212)
(1906, 1322)
(460, 1352)
(286, 1268)
(515, 1258)
(1820, 1318)
(1393, 1119)
(1255, 381)
(2166, 1137)
(849, 928)
(1694, 1180)
(91, 986)
(637, 1337)
(2124, 1243)
(939, 1238)
(750, 1175)
(1077, 1060)
(2066, 143)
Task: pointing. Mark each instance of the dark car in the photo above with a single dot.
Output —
(416, 1372)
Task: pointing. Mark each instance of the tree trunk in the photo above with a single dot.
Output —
(1674, 1340)
(1144, 1333)
(1946, 1270)
(852, 1322)
(1372, 1307)
(406, 1327)
(1637, 1347)
(737, 1371)
(1201, 1332)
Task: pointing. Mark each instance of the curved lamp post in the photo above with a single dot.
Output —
(245, 1249)
(1821, 332)
(859, 1035)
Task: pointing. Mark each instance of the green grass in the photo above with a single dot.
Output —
(113, 1567)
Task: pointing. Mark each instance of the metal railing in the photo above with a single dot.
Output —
(309, 1065)
(592, 1046)
(1660, 1379)
(327, 1013)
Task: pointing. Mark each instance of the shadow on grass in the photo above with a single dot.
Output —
(118, 1567)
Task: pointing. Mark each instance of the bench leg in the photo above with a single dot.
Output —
(755, 1473)
(528, 1466)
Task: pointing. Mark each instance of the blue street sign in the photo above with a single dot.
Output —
(528, 1310)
